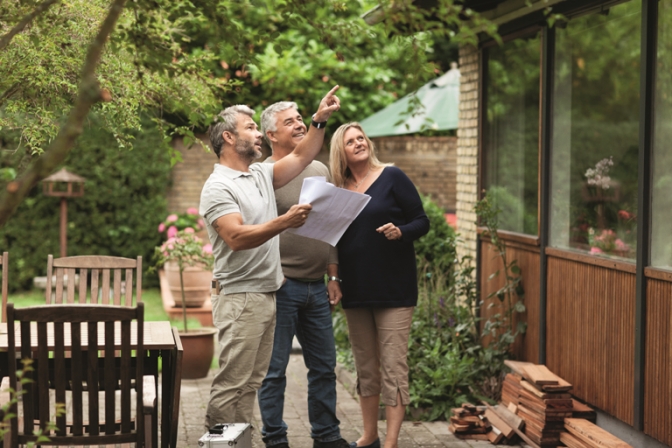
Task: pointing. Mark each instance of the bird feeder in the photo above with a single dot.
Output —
(63, 184)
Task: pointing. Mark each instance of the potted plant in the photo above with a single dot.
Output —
(187, 284)
(186, 250)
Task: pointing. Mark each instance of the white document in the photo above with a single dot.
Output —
(333, 209)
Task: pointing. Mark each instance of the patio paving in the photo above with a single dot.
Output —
(195, 393)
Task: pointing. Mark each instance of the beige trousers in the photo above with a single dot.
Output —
(379, 340)
(246, 324)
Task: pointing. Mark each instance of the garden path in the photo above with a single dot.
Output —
(194, 398)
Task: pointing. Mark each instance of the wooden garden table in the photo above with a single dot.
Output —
(160, 340)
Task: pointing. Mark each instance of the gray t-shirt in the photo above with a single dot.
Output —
(250, 194)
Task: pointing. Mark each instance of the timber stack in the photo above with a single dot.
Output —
(538, 408)
(470, 422)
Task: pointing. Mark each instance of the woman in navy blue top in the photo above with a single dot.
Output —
(378, 278)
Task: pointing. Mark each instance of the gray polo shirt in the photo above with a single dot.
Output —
(250, 194)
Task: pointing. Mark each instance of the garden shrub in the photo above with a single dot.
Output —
(124, 199)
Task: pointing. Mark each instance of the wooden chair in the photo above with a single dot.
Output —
(177, 383)
(45, 334)
(104, 273)
(5, 270)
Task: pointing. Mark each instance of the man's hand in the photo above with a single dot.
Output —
(334, 293)
(297, 215)
(329, 104)
(239, 236)
(390, 231)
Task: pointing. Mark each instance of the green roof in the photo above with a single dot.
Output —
(440, 99)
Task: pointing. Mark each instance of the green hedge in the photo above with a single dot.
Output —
(124, 200)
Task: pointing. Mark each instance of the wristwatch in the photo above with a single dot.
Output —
(333, 278)
(318, 124)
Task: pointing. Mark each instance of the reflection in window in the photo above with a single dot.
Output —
(512, 132)
(596, 133)
(661, 226)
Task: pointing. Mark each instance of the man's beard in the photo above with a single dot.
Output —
(246, 150)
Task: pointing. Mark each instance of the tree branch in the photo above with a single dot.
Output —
(88, 95)
(4, 40)
(9, 92)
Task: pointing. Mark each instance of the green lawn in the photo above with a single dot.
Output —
(150, 297)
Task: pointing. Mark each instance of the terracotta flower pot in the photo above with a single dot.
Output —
(197, 284)
(199, 349)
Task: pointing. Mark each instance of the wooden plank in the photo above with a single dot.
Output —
(83, 276)
(495, 436)
(500, 424)
(465, 420)
(71, 285)
(509, 417)
(526, 385)
(95, 261)
(540, 375)
(593, 435)
(518, 367)
(572, 441)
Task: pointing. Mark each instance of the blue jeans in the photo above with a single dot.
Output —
(302, 309)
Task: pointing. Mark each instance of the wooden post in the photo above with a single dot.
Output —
(64, 227)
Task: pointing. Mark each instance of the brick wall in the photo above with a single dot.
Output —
(430, 162)
(189, 175)
(467, 151)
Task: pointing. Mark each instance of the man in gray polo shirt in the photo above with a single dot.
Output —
(238, 204)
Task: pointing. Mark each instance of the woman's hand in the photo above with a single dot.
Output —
(390, 231)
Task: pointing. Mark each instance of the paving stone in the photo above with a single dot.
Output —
(195, 395)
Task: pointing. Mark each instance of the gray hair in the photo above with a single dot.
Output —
(226, 122)
(268, 121)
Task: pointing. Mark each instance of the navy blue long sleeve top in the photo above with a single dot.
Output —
(377, 272)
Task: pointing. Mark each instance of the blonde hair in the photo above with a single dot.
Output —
(340, 173)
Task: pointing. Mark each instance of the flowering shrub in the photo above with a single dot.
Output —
(598, 176)
(190, 222)
(606, 242)
(186, 249)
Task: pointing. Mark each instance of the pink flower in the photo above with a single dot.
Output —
(171, 218)
(162, 227)
(207, 249)
(192, 211)
(623, 214)
(172, 231)
(620, 245)
(189, 230)
(171, 247)
(595, 250)
(201, 223)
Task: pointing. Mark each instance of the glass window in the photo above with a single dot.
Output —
(511, 132)
(661, 225)
(596, 132)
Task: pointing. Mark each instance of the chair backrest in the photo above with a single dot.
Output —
(93, 279)
(92, 334)
(5, 271)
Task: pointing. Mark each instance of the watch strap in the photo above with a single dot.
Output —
(333, 278)
(318, 124)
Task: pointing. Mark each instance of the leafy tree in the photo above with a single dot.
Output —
(61, 60)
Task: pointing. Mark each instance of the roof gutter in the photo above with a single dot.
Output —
(503, 13)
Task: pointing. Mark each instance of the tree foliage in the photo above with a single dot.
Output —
(63, 59)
